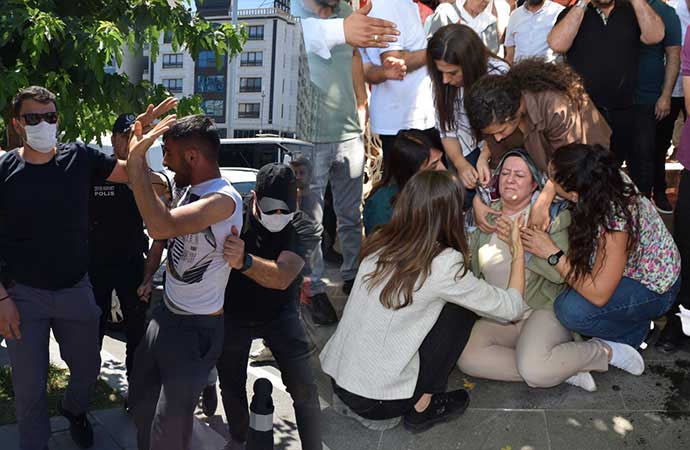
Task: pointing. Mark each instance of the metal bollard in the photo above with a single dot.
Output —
(260, 436)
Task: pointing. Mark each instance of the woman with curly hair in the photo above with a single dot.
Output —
(456, 59)
(623, 266)
(537, 106)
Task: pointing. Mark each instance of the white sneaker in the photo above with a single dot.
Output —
(625, 357)
(261, 355)
(583, 380)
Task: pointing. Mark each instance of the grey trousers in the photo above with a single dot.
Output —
(172, 365)
(343, 164)
(73, 316)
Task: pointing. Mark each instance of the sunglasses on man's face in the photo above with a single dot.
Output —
(35, 118)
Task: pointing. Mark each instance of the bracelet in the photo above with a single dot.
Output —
(4, 298)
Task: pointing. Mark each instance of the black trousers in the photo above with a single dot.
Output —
(124, 278)
(387, 142)
(286, 338)
(664, 134)
(438, 354)
(622, 122)
(172, 367)
(641, 156)
(681, 225)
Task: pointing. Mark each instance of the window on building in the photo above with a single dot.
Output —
(249, 110)
(167, 37)
(250, 84)
(256, 33)
(172, 60)
(252, 59)
(173, 84)
(215, 108)
(210, 83)
(207, 59)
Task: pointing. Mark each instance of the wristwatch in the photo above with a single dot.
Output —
(553, 259)
(248, 260)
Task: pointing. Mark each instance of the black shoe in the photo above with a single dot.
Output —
(672, 337)
(347, 286)
(662, 204)
(209, 400)
(322, 312)
(333, 257)
(443, 407)
(79, 427)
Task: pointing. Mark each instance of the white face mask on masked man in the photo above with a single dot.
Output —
(275, 222)
(41, 137)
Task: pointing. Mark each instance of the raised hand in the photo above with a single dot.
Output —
(153, 112)
(140, 142)
(233, 249)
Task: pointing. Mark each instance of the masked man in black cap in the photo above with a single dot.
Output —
(117, 244)
(261, 301)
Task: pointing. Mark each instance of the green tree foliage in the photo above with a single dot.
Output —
(65, 46)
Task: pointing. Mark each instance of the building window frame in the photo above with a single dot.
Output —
(250, 84)
(255, 33)
(249, 110)
(252, 59)
(173, 85)
(172, 60)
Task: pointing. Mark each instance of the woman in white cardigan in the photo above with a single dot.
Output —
(411, 311)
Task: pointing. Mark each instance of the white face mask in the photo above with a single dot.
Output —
(41, 137)
(275, 222)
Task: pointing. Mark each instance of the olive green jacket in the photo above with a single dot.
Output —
(543, 283)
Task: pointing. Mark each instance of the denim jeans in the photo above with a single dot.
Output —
(286, 338)
(626, 316)
(343, 164)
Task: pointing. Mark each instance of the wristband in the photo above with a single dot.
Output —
(248, 260)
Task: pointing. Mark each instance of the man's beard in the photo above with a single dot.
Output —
(534, 2)
(604, 3)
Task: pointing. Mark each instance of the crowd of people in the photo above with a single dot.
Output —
(515, 232)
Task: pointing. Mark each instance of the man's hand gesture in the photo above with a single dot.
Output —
(140, 142)
(233, 250)
(153, 112)
(363, 31)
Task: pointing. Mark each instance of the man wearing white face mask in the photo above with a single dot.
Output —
(261, 301)
(44, 227)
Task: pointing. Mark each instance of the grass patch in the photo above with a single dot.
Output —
(104, 397)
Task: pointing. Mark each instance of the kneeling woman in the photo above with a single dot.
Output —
(623, 266)
(411, 310)
(536, 349)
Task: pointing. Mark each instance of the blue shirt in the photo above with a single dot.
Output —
(652, 69)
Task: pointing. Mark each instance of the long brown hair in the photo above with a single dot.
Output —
(604, 195)
(461, 46)
(427, 219)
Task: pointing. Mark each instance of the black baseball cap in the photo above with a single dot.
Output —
(124, 122)
(276, 188)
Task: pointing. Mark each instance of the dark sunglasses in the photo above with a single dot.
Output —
(35, 118)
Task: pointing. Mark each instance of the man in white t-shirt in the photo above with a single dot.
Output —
(528, 28)
(401, 101)
(487, 18)
(185, 337)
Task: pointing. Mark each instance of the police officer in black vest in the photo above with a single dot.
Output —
(117, 245)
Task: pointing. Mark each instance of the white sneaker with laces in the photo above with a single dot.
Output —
(625, 357)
